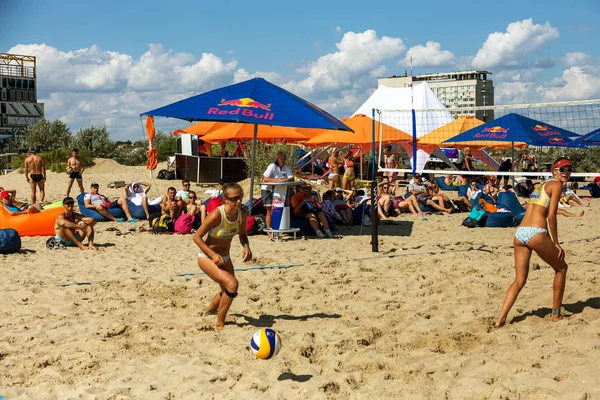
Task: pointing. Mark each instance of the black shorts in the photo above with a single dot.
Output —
(114, 204)
(36, 177)
(267, 197)
(75, 175)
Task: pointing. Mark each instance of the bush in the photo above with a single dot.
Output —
(265, 155)
(134, 155)
(48, 135)
(55, 160)
(96, 140)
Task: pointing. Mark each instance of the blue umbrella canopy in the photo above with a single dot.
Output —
(255, 101)
(517, 128)
(588, 140)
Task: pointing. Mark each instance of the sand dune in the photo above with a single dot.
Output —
(411, 322)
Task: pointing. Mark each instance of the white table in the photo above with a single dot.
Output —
(280, 210)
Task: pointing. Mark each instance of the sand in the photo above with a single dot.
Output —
(410, 322)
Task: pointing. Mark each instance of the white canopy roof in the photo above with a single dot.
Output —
(419, 97)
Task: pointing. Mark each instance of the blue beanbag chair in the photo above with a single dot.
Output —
(86, 212)
(462, 190)
(594, 190)
(138, 211)
(440, 181)
(510, 201)
(10, 241)
(499, 220)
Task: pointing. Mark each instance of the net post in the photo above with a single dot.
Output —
(414, 129)
(374, 214)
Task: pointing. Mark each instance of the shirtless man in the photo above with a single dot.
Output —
(34, 164)
(72, 228)
(170, 205)
(75, 168)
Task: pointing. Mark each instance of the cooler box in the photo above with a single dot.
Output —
(280, 211)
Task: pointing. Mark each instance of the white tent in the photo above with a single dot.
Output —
(419, 97)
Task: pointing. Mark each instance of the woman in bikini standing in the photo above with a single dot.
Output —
(349, 177)
(222, 224)
(335, 162)
(539, 232)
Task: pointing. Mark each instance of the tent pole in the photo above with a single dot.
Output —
(252, 165)
(513, 162)
(374, 214)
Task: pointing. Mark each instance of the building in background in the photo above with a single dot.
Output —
(463, 89)
(18, 95)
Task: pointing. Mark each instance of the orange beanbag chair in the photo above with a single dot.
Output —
(39, 224)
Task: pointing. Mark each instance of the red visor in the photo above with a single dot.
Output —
(5, 194)
(563, 163)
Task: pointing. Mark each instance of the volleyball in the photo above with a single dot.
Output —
(265, 343)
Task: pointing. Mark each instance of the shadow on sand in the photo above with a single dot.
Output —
(267, 321)
(574, 308)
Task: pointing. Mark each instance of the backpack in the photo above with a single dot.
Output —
(524, 188)
(165, 174)
(10, 241)
(255, 224)
(162, 224)
(476, 218)
(184, 224)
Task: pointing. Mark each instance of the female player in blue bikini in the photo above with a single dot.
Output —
(539, 232)
(222, 224)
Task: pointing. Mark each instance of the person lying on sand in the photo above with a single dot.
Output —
(72, 228)
(7, 198)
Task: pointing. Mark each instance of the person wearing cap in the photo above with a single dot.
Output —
(7, 198)
(75, 168)
(72, 228)
(98, 202)
(539, 232)
(35, 174)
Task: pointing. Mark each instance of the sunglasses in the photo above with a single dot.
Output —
(386, 187)
(136, 186)
(565, 169)
(306, 188)
(186, 184)
(192, 197)
(235, 199)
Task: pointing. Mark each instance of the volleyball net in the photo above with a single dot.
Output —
(513, 140)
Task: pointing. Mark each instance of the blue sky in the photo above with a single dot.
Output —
(106, 62)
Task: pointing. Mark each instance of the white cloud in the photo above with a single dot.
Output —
(516, 47)
(430, 55)
(357, 55)
(338, 29)
(576, 83)
(577, 58)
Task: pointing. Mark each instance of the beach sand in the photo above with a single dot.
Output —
(410, 322)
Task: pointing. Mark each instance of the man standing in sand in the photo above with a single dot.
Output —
(34, 164)
(75, 168)
(72, 228)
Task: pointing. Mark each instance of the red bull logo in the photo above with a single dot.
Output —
(543, 130)
(496, 129)
(539, 128)
(556, 141)
(244, 107)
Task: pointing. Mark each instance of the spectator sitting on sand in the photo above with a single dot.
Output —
(170, 205)
(472, 192)
(183, 193)
(98, 202)
(430, 198)
(305, 206)
(192, 207)
(330, 211)
(72, 228)
(137, 193)
(416, 186)
(7, 198)
(492, 189)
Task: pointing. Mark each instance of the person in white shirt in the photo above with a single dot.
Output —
(278, 171)
(137, 193)
(96, 201)
(183, 193)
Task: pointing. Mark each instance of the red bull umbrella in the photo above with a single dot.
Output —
(517, 128)
(591, 139)
(256, 102)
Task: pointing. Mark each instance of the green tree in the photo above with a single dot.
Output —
(48, 135)
(133, 155)
(266, 154)
(165, 144)
(95, 139)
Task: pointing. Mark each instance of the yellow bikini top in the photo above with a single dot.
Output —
(539, 196)
(226, 229)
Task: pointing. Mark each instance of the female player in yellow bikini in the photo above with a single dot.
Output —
(533, 235)
(221, 225)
